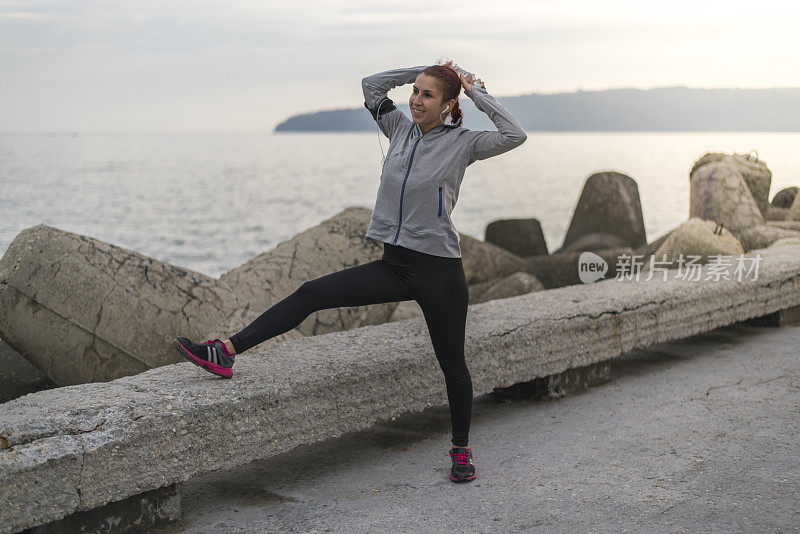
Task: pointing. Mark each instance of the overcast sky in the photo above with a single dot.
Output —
(234, 65)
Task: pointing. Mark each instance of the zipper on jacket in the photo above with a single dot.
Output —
(440, 201)
(403, 188)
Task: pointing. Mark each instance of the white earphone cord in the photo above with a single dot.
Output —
(380, 143)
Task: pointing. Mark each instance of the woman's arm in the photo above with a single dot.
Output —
(509, 134)
(382, 108)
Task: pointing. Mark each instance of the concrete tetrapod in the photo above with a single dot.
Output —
(794, 210)
(763, 235)
(523, 237)
(785, 197)
(696, 237)
(609, 204)
(756, 175)
(83, 310)
(719, 193)
(168, 424)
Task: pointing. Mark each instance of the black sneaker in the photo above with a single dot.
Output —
(211, 355)
(463, 469)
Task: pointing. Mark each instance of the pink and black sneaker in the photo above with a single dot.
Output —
(463, 469)
(211, 355)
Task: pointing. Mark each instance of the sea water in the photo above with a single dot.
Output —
(211, 202)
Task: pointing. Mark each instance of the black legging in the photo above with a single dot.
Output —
(437, 283)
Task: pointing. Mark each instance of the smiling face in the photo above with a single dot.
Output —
(427, 103)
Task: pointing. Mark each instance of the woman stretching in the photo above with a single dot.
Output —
(421, 261)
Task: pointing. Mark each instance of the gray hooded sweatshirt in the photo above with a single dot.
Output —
(422, 173)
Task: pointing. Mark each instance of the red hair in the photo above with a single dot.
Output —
(450, 83)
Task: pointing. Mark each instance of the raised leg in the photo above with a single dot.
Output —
(369, 283)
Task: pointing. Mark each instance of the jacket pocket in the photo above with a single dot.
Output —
(440, 201)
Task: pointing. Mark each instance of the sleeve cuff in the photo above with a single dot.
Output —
(476, 87)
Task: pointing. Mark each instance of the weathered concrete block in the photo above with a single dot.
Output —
(649, 249)
(719, 193)
(59, 446)
(794, 210)
(83, 310)
(609, 204)
(485, 261)
(594, 242)
(755, 173)
(523, 237)
(696, 237)
(763, 235)
(512, 285)
(406, 310)
(776, 214)
(18, 376)
(784, 198)
(786, 225)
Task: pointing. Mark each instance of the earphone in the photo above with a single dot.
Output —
(442, 113)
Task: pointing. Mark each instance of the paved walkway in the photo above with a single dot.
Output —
(700, 435)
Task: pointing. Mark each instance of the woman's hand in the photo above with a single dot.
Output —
(467, 83)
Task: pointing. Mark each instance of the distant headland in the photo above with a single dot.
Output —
(661, 109)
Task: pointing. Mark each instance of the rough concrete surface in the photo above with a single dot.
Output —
(18, 376)
(784, 197)
(788, 225)
(698, 237)
(775, 214)
(755, 173)
(698, 435)
(718, 193)
(609, 204)
(175, 422)
(84, 310)
(486, 261)
(762, 235)
(523, 236)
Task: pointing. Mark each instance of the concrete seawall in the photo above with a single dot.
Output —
(80, 447)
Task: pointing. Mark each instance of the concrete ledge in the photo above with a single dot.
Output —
(80, 447)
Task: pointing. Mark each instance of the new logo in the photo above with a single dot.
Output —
(591, 267)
